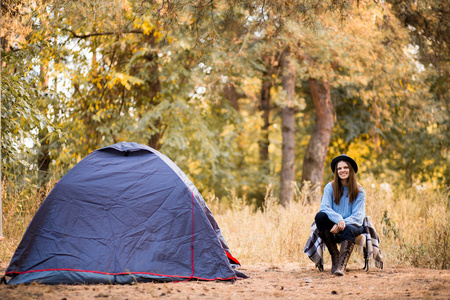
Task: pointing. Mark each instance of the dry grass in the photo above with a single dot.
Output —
(19, 207)
(414, 225)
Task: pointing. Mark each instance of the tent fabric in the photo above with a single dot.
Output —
(125, 213)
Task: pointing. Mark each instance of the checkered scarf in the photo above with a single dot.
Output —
(314, 246)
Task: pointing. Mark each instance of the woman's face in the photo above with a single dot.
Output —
(343, 170)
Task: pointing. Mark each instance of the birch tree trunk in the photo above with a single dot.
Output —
(288, 130)
(316, 151)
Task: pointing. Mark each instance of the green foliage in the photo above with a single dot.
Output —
(80, 75)
(20, 119)
(157, 72)
(390, 227)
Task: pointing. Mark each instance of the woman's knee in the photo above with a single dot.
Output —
(321, 217)
(323, 222)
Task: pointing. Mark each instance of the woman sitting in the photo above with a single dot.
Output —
(342, 211)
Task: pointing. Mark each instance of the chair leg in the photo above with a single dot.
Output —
(366, 259)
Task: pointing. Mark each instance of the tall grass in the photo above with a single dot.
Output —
(19, 207)
(413, 225)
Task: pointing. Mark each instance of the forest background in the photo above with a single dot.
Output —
(251, 99)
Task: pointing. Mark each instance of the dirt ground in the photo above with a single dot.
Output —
(265, 282)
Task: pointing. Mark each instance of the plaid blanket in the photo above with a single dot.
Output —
(314, 246)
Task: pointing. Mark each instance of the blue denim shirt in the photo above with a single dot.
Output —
(351, 213)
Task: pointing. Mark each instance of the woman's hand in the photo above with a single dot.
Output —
(334, 229)
(340, 226)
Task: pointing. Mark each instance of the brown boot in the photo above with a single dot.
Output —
(329, 241)
(344, 255)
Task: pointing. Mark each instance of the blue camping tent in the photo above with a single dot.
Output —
(124, 213)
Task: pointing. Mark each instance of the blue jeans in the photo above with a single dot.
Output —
(350, 232)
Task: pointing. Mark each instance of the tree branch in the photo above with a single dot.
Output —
(88, 35)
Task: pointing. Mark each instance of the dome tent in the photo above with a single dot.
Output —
(125, 213)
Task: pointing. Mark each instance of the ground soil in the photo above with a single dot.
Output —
(265, 282)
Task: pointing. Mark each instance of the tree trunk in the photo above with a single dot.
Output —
(316, 152)
(1, 181)
(232, 95)
(264, 107)
(288, 130)
(43, 158)
(154, 87)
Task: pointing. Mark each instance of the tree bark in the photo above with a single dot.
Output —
(264, 107)
(43, 158)
(232, 95)
(316, 151)
(154, 87)
(288, 130)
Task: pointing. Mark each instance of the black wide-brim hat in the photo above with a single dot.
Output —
(344, 157)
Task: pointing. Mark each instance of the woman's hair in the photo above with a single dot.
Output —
(338, 189)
